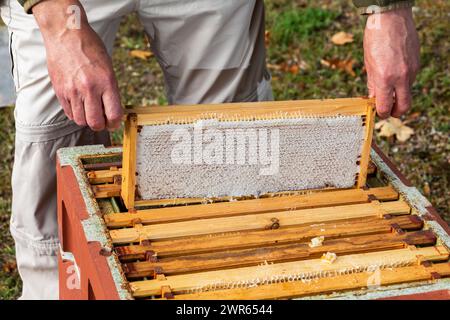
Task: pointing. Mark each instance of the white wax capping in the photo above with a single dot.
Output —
(247, 158)
(317, 242)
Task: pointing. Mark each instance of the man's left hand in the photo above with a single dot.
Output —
(391, 50)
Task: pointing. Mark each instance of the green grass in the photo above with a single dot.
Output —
(300, 32)
(299, 24)
(10, 285)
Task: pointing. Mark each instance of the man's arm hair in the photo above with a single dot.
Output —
(378, 6)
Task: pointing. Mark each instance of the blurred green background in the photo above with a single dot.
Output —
(305, 64)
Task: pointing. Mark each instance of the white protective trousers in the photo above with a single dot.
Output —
(210, 51)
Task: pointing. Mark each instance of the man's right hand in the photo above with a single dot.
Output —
(79, 66)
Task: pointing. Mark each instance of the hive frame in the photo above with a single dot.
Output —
(142, 116)
(85, 211)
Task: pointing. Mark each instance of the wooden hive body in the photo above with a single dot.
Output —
(387, 239)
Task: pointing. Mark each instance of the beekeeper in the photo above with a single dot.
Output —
(210, 51)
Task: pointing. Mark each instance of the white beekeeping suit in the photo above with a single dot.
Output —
(210, 51)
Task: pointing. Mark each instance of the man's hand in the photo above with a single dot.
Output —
(79, 66)
(391, 50)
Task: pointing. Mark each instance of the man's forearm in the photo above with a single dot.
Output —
(391, 52)
(78, 65)
(53, 16)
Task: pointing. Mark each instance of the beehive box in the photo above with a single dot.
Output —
(378, 239)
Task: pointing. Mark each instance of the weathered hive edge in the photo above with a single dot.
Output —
(94, 227)
(419, 204)
(423, 208)
(96, 230)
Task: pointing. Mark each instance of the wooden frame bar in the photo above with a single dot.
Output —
(340, 283)
(252, 110)
(221, 260)
(128, 189)
(261, 238)
(239, 111)
(259, 221)
(262, 205)
(365, 154)
(103, 176)
(185, 283)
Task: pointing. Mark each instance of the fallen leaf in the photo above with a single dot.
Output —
(293, 68)
(141, 54)
(394, 126)
(276, 67)
(426, 189)
(342, 38)
(267, 35)
(303, 65)
(344, 65)
(9, 266)
(413, 117)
